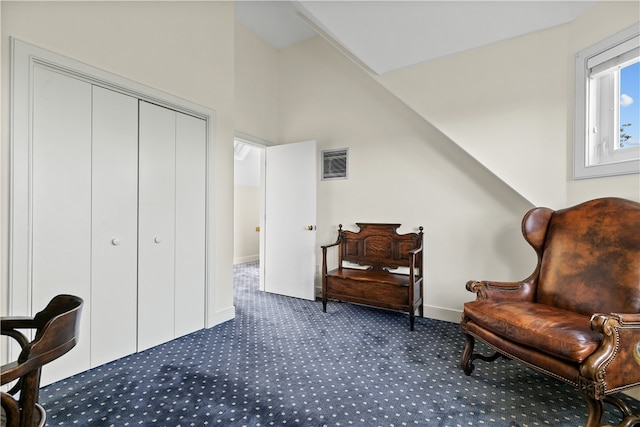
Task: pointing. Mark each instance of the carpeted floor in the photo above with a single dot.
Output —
(282, 362)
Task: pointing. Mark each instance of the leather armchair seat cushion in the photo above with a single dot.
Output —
(557, 332)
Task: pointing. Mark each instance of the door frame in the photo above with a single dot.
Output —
(262, 145)
(24, 58)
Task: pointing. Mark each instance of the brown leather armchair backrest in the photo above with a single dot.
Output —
(590, 259)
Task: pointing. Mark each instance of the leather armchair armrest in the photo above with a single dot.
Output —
(502, 291)
(609, 366)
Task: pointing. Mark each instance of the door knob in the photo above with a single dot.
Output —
(310, 227)
(157, 240)
(115, 242)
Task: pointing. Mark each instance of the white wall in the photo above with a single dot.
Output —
(510, 105)
(256, 116)
(247, 198)
(256, 86)
(504, 104)
(184, 48)
(403, 170)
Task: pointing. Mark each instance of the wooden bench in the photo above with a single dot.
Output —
(363, 274)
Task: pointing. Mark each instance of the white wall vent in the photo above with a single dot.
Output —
(334, 164)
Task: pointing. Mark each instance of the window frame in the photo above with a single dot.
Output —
(584, 111)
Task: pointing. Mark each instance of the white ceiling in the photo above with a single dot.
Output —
(389, 35)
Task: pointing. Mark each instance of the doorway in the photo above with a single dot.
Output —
(280, 196)
(248, 197)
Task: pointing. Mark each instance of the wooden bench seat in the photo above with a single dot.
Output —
(379, 248)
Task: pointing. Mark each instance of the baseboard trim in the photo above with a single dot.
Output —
(223, 316)
(244, 259)
(440, 313)
(633, 392)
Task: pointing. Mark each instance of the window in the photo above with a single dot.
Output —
(607, 110)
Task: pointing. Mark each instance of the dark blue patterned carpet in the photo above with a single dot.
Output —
(282, 362)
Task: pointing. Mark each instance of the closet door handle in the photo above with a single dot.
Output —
(157, 240)
(115, 241)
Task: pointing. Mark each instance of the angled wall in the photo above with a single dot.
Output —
(510, 105)
(404, 170)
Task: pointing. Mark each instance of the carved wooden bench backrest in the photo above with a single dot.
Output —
(590, 260)
(378, 245)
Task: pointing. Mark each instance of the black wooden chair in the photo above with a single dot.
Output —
(56, 332)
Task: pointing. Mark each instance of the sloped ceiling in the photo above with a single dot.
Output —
(389, 35)
(390, 38)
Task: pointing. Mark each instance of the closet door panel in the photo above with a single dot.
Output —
(190, 224)
(115, 226)
(61, 203)
(156, 226)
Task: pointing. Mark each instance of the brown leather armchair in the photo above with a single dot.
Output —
(577, 316)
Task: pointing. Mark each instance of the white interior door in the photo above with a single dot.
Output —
(114, 243)
(156, 226)
(290, 210)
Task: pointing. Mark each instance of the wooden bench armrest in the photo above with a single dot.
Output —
(415, 252)
(324, 255)
(324, 247)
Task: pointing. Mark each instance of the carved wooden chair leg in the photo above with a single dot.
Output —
(596, 412)
(629, 419)
(468, 356)
(467, 361)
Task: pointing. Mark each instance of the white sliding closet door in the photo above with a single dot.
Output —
(156, 227)
(61, 204)
(114, 243)
(190, 223)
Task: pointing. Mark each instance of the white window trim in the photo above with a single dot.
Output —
(581, 169)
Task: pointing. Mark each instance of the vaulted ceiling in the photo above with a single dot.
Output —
(388, 37)
(385, 36)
